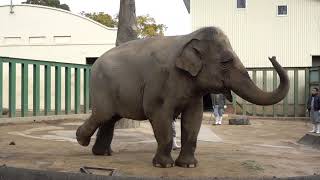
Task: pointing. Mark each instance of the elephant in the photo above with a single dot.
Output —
(158, 78)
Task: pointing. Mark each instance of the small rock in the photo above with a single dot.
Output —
(12, 143)
(239, 121)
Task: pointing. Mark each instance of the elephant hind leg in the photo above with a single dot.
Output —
(87, 129)
(104, 138)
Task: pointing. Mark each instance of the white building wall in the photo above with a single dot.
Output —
(258, 32)
(44, 33)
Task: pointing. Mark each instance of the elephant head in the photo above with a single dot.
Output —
(207, 56)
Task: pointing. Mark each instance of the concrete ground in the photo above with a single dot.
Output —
(265, 148)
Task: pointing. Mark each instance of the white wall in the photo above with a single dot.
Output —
(257, 32)
(43, 33)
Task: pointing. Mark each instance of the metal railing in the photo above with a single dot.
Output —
(50, 69)
(65, 98)
(294, 105)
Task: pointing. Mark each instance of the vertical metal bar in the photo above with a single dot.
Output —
(36, 89)
(86, 90)
(57, 90)
(24, 89)
(254, 79)
(47, 99)
(90, 105)
(12, 89)
(67, 90)
(264, 77)
(244, 107)
(307, 89)
(285, 104)
(1, 88)
(234, 103)
(296, 93)
(77, 90)
(275, 82)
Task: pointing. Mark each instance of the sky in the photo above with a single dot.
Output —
(172, 13)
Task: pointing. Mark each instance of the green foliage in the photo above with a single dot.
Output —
(147, 26)
(50, 3)
(102, 18)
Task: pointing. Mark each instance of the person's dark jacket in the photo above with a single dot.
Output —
(218, 100)
(316, 103)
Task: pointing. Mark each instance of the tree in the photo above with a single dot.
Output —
(127, 26)
(102, 18)
(50, 3)
(148, 27)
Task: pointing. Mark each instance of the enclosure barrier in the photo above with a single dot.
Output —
(294, 104)
(61, 84)
(50, 69)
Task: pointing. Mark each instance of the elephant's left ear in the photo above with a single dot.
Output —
(190, 58)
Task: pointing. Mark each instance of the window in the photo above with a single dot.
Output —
(62, 39)
(12, 40)
(37, 39)
(282, 10)
(241, 4)
(91, 60)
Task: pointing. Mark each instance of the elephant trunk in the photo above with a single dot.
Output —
(247, 90)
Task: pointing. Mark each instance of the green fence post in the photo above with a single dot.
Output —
(234, 103)
(307, 89)
(77, 90)
(1, 88)
(24, 89)
(47, 98)
(57, 90)
(89, 89)
(86, 90)
(244, 107)
(285, 104)
(275, 83)
(264, 77)
(67, 90)
(36, 89)
(254, 79)
(296, 89)
(12, 89)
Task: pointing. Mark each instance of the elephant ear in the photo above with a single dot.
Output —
(190, 57)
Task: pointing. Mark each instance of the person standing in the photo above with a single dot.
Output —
(313, 107)
(218, 105)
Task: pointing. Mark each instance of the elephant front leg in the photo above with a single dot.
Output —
(163, 134)
(191, 119)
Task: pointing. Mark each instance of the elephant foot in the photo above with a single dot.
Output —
(100, 151)
(186, 162)
(163, 161)
(82, 140)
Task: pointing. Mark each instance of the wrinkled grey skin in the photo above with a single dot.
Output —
(161, 77)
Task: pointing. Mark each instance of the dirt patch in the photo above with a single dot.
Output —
(265, 148)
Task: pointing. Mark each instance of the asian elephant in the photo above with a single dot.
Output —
(160, 77)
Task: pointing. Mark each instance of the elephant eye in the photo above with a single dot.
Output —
(226, 60)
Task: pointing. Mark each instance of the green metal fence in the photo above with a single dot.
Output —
(294, 105)
(52, 101)
(65, 89)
